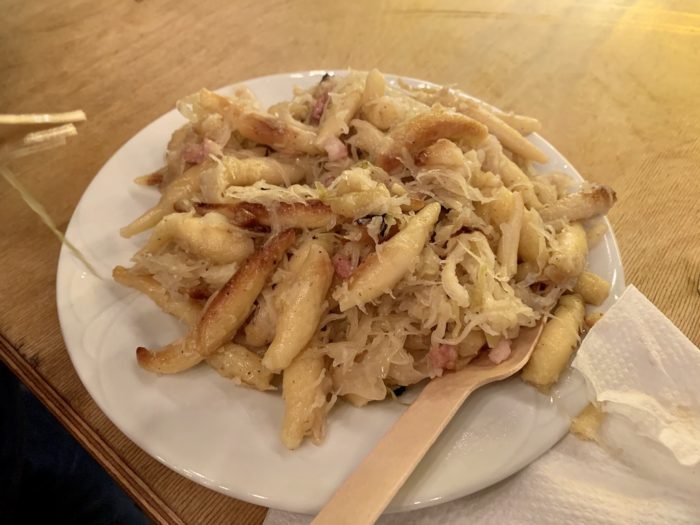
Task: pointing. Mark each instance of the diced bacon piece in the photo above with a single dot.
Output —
(343, 266)
(319, 107)
(193, 153)
(443, 357)
(500, 352)
(197, 153)
(335, 148)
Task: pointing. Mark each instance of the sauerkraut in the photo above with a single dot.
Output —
(419, 205)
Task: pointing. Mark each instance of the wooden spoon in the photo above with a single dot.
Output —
(366, 493)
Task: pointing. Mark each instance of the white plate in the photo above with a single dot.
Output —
(226, 437)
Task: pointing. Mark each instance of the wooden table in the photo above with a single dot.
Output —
(616, 86)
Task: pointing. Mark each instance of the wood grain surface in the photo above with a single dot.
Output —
(615, 84)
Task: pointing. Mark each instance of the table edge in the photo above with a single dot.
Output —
(137, 489)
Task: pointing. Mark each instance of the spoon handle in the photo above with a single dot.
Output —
(365, 494)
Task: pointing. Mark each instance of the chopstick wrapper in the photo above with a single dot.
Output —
(644, 374)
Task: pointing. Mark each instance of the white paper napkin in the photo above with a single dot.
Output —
(646, 469)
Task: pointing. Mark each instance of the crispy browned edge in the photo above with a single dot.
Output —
(151, 179)
(425, 129)
(304, 213)
(171, 359)
(243, 214)
(599, 197)
(308, 214)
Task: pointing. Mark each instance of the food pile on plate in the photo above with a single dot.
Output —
(361, 237)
